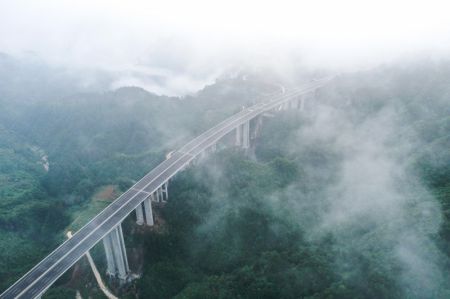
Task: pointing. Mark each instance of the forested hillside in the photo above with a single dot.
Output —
(60, 142)
(348, 199)
(30, 219)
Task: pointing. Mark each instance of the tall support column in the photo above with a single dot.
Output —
(153, 197)
(302, 103)
(120, 257)
(257, 127)
(148, 211)
(165, 191)
(238, 136)
(246, 135)
(202, 155)
(111, 265)
(160, 197)
(124, 251)
(139, 215)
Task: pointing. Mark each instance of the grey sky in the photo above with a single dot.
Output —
(191, 42)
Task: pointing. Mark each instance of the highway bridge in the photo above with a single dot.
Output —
(153, 187)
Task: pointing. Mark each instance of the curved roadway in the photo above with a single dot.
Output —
(44, 274)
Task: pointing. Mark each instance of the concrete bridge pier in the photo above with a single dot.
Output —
(120, 254)
(257, 127)
(243, 135)
(202, 155)
(298, 103)
(157, 196)
(111, 264)
(139, 215)
(144, 212)
(148, 211)
(116, 255)
(302, 103)
(165, 191)
(246, 135)
(295, 103)
(162, 193)
(292, 104)
(238, 141)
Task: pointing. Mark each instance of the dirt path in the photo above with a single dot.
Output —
(100, 282)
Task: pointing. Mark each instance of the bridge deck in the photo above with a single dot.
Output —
(44, 274)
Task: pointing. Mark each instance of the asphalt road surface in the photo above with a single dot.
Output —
(43, 275)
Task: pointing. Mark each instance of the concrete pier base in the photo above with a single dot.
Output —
(238, 141)
(257, 127)
(148, 211)
(246, 135)
(110, 263)
(165, 191)
(116, 255)
(139, 215)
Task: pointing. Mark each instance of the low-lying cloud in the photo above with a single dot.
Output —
(190, 42)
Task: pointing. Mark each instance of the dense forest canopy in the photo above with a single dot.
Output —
(348, 199)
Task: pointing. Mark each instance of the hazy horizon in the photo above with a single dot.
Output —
(176, 47)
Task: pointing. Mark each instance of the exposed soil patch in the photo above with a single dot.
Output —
(107, 193)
